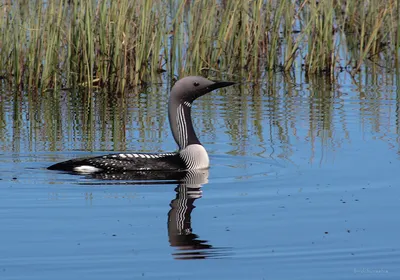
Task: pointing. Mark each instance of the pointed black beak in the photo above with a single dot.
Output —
(205, 90)
(220, 84)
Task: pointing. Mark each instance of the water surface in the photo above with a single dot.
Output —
(303, 184)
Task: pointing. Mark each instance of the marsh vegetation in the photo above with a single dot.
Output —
(54, 44)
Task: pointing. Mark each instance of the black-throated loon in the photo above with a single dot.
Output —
(191, 155)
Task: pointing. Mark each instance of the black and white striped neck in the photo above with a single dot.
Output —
(180, 120)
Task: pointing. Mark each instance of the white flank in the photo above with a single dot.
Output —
(86, 169)
(195, 157)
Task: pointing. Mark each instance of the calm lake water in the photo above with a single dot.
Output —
(303, 184)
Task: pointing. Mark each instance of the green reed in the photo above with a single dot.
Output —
(320, 55)
(118, 44)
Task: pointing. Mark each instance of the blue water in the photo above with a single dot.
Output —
(303, 184)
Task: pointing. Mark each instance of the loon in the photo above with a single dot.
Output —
(191, 154)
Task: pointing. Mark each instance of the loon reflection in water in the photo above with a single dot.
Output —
(180, 232)
(191, 155)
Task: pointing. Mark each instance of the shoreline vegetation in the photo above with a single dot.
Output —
(57, 44)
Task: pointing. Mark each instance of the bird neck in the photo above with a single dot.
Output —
(179, 114)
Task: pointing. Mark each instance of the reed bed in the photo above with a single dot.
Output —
(53, 44)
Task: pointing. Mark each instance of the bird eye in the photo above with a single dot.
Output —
(196, 84)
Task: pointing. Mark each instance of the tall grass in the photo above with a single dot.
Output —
(46, 44)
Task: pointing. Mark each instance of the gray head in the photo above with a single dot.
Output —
(192, 87)
(183, 93)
